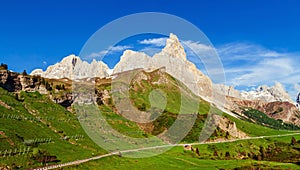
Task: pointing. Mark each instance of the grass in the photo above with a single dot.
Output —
(254, 129)
(36, 117)
(33, 116)
(177, 158)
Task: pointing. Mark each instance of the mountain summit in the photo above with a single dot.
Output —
(173, 58)
(268, 94)
(73, 67)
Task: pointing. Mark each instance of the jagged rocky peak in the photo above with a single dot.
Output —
(174, 48)
(73, 67)
(262, 93)
(268, 94)
(173, 58)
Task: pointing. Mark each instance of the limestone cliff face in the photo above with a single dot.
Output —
(173, 58)
(9, 81)
(14, 82)
(73, 67)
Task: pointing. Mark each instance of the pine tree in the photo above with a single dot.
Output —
(24, 73)
(197, 152)
(293, 141)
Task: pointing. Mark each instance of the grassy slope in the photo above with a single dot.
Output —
(58, 122)
(254, 129)
(177, 158)
(40, 118)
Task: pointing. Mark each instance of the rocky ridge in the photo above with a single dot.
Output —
(73, 67)
(268, 94)
(14, 82)
(173, 59)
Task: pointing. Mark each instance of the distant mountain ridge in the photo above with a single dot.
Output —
(173, 58)
(73, 67)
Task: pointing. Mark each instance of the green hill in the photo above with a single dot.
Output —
(35, 130)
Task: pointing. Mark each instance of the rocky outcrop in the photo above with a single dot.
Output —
(32, 83)
(228, 126)
(10, 81)
(14, 82)
(73, 67)
(173, 58)
(66, 99)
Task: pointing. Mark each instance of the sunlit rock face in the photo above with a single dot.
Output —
(73, 67)
(173, 58)
(268, 94)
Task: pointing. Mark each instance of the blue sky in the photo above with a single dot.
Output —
(256, 40)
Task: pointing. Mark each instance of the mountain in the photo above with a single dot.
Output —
(262, 93)
(274, 101)
(73, 67)
(268, 94)
(54, 134)
(173, 58)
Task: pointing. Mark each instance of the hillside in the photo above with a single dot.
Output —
(35, 130)
(38, 128)
(76, 111)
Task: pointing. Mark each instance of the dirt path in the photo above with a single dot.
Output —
(154, 147)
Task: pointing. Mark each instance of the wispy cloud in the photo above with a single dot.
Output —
(250, 64)
(159, 42)
(108, 51)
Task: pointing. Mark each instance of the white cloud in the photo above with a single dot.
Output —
(109, 50)
(251, 65)
(44, 62)
(159, 42)
(198, 47)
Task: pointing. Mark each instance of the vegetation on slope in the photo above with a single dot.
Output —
(263, 119)
(35, 131)
(270, 153)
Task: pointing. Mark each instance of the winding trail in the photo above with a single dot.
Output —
(154, 147)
